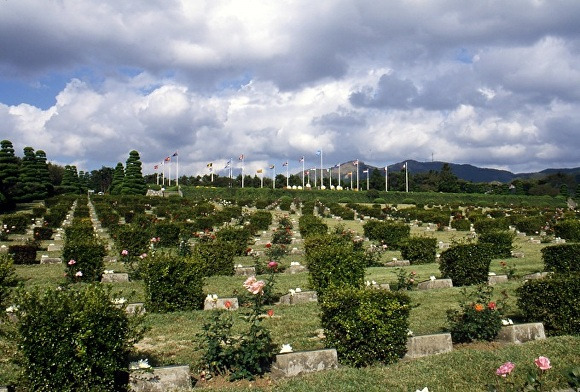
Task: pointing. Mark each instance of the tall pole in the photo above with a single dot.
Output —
(287, 175)
(261, 178)
(177, 169)
(273, 177)
(330, 178)
(357, 176)
(406, 177)
(242, 159)
(314, 177)
(350, 180)
(302, 160)
(339, 174)
(386, 178)
(321, 171)
(368, 177)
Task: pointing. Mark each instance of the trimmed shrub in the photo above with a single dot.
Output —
(17, 223)
(38, 212)
(84, 260)
(365, 326)
(332, 261)
(419, 250)
(261, 219)
(42, 233)
(23, 254)
(310, 225)
(7, 279)
(563, 258)
(75, 339)
(568, 229)
(461, 224)
(552, 301)
(530, 224)
(390, 233)
(215, 257)
(465, 264)
(204, 223)
(486, 225)
(500, 242)
(172, 284)
(237, 237)
(168, 234)
(80, 230)
(132, 238)
(282, 235)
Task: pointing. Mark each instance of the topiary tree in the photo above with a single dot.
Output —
(43, 173)
(133, 183)
(117, 182)
(8, 169)
(29, 186)
(70, 180)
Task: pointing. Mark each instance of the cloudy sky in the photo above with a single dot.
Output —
(490, 83)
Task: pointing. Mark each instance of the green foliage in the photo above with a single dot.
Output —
(25, 253)
(237, 237)
(7, 280)
(479, 318)
(419, 250)
(29, 186)
(117, 182)
(486, 225)
(282, 235)
(8, 169)
(465, 264)
(133, 182)
(500, 242)
(332, 261)
(172, 283)
(530, 224)
(562, 258)
(461, 224)
(390, 233)
(568, 229)
(74, 339)
(261, 219)
(552, 301)
(70, 180)
(16, 223)
(84, 259)
(341, 211)
(80, 230)
(168, 234)
(214, 257)
(310, 225)
(42, 233)
(366, 326)
(133, 239)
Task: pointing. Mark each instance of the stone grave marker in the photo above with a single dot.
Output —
(495, 279)
(422, 346)
(299, 298)
(521, 333)
(435, 284)
(220, 303)
(161, 379)
(115, 277)
(302, 362)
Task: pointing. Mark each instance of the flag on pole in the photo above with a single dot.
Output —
(355, 163)
(272, 166)
(405, 165)
(228, 164)
(307, 172)
(210, 164)
(174, 154)
(259, 171)
(155, 167)
(241, 158)
(285, 163)
(168, 159)
(318, 152)
(301, 159)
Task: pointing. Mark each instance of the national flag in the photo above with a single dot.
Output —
(404, 165)
(210, 164)
(337, 165)
(349, 174)
(155, 167)
(301, 159)
(241, 158)
(285, 163)
(174, 154)
(259, 171)
(228, 163)
(355, 163)
(167, 159)
(272, 166)
(307, 172)
(318, 152)
(366, 171)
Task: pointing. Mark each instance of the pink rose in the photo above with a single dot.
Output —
(143, 255)
(251, 280)
(272, 265)
(505, 369)
(543, 363)
(124, 252)
(256, 287)
(72, 262)
(79, 274)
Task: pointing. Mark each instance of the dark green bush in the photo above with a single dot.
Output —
(17, 223)
(285, 203)
(419, 250)
(204, 223)
(168, 234)
(38, 212)
(84, 260)
(366, 326)
(80, 230)
(500, 242)
(563, 258)
(7, 280)
(332, 261)
(261, 219)
(310, 225)
(282, 235)
(135, 240)
(390, 233)
(568, 229)
(23, 254)
(552, 301)
(461, 224)
(488, 224)
(237, 237)
(530, 224)
(74, 339)
(465, 264)
(42, 233)
(215, 257)
(172, 283)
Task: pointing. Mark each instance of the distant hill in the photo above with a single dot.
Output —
(463, 171)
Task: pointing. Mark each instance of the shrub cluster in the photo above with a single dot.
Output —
(215, 257)
(7, 280)
(310, 225)
(237, 237)
(486, 225)
(552, 301)
(74, 339)
(568, 229)
(562, 258)
(25, 253)
(419, 250)
(261, 219)
(43, 233)
(168, 234)
(465, 264)
(461, 224)
(84, 259)
(17, 223)
(393, 234)
(500, 242)
(172, 283)
(365, 326)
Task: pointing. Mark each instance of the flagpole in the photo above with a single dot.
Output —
(330, 178)
(314, 178)
(242, 170)
(261, 179)
(339, 174)
(321, 172)
(273, 177)
(357, 176)
(177, 171)
(386, 178)
(406, 177)
(368, 177)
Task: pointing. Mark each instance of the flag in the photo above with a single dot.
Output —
(272, 166)
(167, 159)
(301, 159)
(355, 163)
(366, 171)
(210, 164)
(228, 163)
(285, 163)
(241, 158)
(318, 152)
(404, 165)
(349, 174)
(155, 167)
(337, 165)
(307, 172)
(174, 154)
(259, 171)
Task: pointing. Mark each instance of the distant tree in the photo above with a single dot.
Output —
(29, 186)
(8, 170)
(564, 190)
(447, 180)
(101, 179)
(133, 183)
(56, 173)
(70, 180)
(117, 181)
(577, 193)
(376, 180)
(43, 173)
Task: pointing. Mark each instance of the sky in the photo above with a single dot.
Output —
(492, 83)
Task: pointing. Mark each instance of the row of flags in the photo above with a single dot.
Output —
(167, 162)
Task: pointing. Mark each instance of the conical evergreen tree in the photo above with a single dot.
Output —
(117, 182)
(8, 171)
(70, 180)
(43, 173)
(133, 183)
(29, 186)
